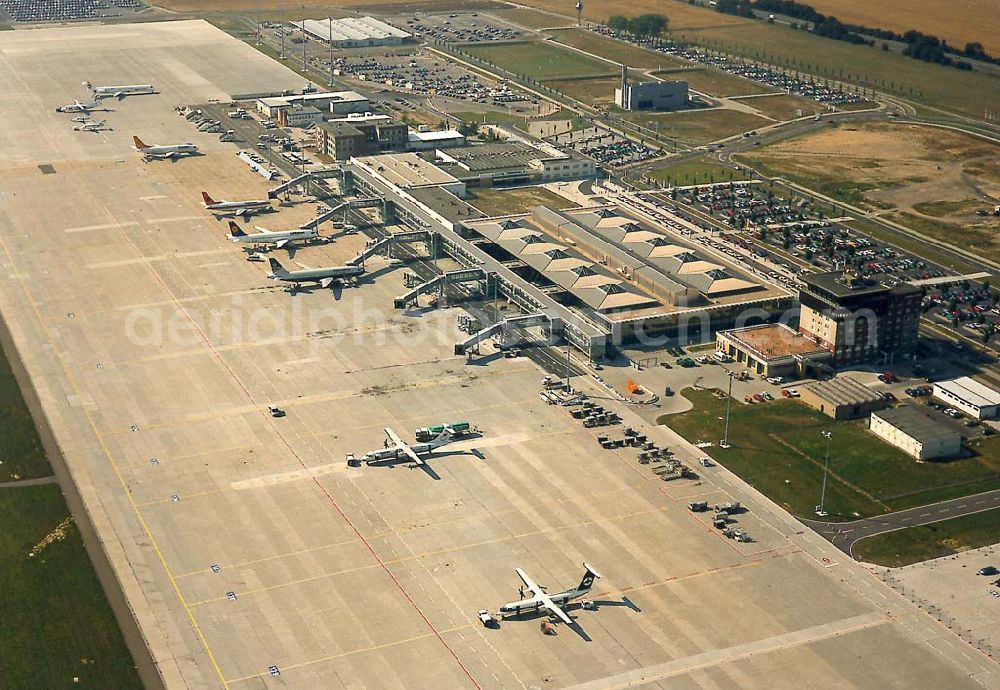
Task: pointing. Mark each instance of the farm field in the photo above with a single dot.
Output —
(497, 201)
(782, 107)
(916, 544)
(619, 51)
(959, 22)
(698, 126)
(778, 448)
(968, 93)
(540, 60)
(929, 176)
(382, 6)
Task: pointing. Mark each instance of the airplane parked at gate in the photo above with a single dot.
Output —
(264, 236)
(236, 208)
(78, 107)
(118, 91)
(554, 603)
(324, 277)
(171, 151)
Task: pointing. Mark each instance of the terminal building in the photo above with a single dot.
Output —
(967, 395)
(354, 32)
(906, 428)
(651, 95)
(859, 319)
(510, 162)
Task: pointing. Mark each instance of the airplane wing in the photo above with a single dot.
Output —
(327, 282)
(280, 244)
(543, 597)
(402, 446)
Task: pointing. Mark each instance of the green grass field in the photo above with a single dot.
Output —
(529, 18)
(498, 201)
(916, 544)
(619, 51)
(697, 126)
(57, 625)
(539, 60)
(778, 448)
(696, 172)
(783, 107)
(21, 453)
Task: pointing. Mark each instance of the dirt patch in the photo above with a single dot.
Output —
(932, 179)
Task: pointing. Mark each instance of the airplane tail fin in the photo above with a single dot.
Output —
(208, 200)
(236, 231)
(137, 142)
(276, 267)
(589, 575)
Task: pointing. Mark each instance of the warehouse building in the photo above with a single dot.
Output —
(430, 141)
(651, 95)
(859, 319)
(906, 428)
(842, 398)
(771, 349)
(340, 102)
(969, 396)
(354, 32)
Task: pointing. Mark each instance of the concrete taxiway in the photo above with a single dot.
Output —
(250, 555)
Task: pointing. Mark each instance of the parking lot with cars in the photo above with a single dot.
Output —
(605, 146)
(457, 28)
(819, 91)
(47, 11)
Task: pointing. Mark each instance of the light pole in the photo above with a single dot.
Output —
(331, 54)
(729, 404)
(820, 511)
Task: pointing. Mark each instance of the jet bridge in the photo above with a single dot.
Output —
(465, 275)
(504, 326)
(342, 208)
(388, 242)
(291, 184)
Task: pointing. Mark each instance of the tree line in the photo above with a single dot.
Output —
(647, 25)
(919, 45)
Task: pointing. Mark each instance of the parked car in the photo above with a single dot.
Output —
(758, 397)
(988, 570)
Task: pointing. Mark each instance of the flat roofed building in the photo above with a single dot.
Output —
(842, 397)
(340, 140)
(429, 141)
(299, 116)
(770, 349)
(652, 95)
(859, 319)
(514, 161)
(969, 396)
(341, 102)
(354, 32)
(408, 171)
(916, 434)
